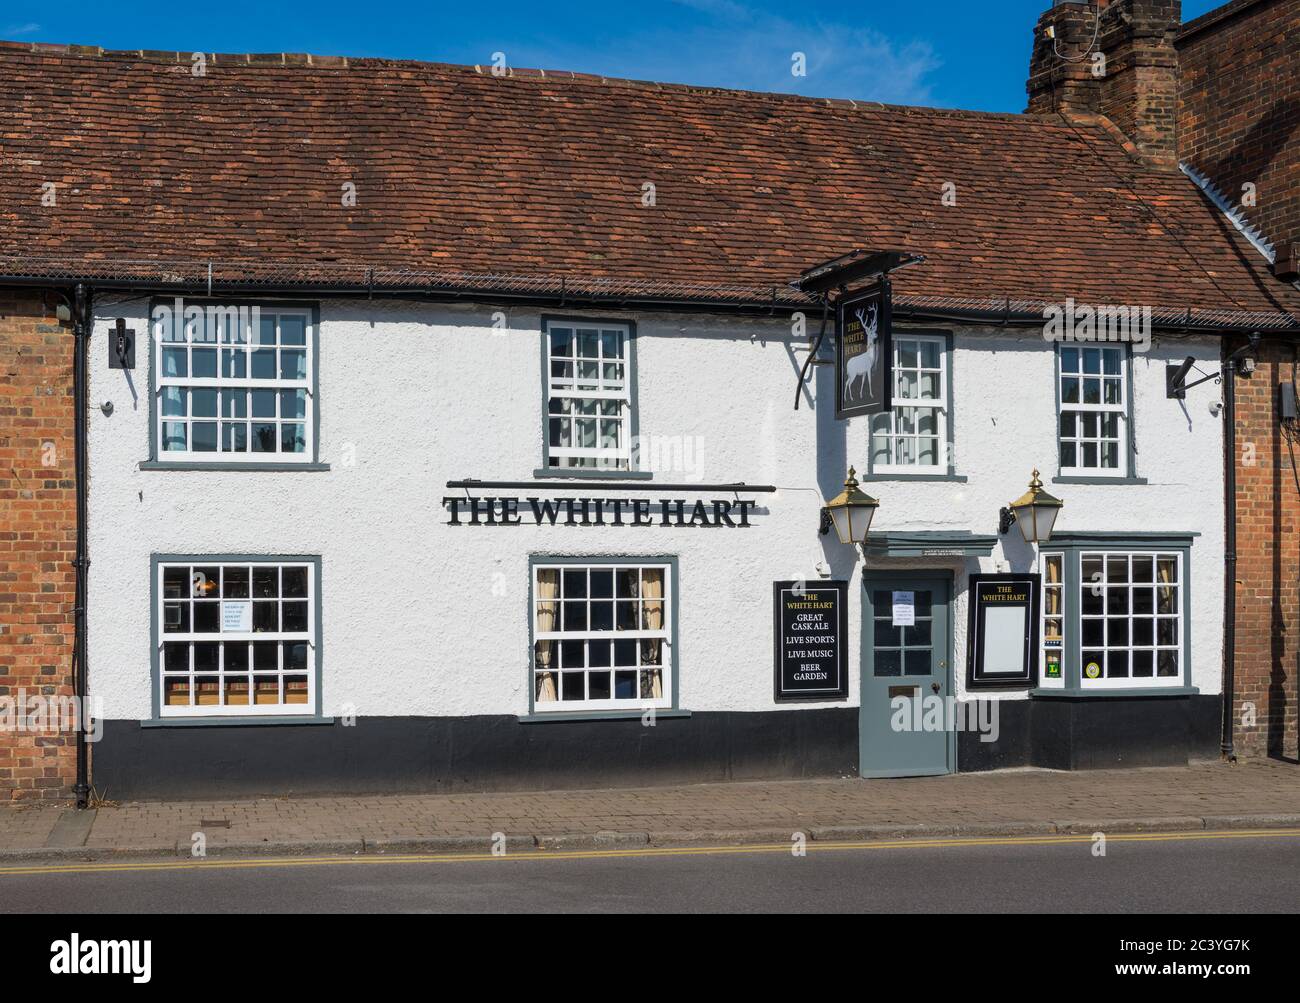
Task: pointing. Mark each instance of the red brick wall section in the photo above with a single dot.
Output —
(1136, 87)
(1239, 108)
(37, 536)
(1268, 560)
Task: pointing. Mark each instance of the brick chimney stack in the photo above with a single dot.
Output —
(1129, 73)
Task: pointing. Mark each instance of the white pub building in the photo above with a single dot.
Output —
(490, 476)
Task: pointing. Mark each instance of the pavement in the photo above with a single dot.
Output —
(1256, 794)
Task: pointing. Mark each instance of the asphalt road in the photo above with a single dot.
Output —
(1195, 872)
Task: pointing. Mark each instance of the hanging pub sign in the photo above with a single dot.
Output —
(1003, 632)
(810, 625)
(863, 353)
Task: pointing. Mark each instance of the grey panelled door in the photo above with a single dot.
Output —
(905, 660)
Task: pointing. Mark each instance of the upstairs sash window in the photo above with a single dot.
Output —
(913, 435)
(1093, 429)
(236, 384)
(588, 395)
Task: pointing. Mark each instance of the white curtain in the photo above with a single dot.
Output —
(652, 618)
(548, 588)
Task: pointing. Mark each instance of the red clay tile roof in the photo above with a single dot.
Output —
(537, 179)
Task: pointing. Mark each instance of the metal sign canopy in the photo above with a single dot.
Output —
(821, 280)
(857, 265)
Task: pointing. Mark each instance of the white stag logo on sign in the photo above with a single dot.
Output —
(860, 366)
(863, 346)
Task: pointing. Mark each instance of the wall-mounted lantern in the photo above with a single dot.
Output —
(1034, 512)
(850, 512)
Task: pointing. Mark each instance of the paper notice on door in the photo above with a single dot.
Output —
(904, 609)
(1004, 640)
(236, 617)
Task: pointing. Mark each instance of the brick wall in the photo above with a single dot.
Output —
(1136, 86)
(1268, 560)
(1239, 107)
(1239, 122)
(37, 536)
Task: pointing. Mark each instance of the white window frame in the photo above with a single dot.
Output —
(191, 637)
(557, 637)
(223, 341)
(571, 390)
(886, 424)
(1106, 682)
(1097, 411)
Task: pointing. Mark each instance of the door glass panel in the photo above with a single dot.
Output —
(918, 662)
(903, 650)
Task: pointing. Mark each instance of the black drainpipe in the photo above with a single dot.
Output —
(1230, 545)
(81, 336)
(1229, 553)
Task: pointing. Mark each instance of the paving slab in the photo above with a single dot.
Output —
(1251, 794)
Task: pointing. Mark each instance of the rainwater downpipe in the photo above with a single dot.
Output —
(81, 339)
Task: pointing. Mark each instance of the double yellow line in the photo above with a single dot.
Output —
(813, 846)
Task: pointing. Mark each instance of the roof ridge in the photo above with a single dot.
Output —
(274, 60)
(165, 56)
(1212, 17)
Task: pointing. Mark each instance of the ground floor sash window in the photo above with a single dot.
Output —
(236, 638)
(1117, 618)
(602, 636)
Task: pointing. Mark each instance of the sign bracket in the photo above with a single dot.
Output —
(828, 284)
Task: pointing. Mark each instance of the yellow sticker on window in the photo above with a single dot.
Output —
(1092, 670)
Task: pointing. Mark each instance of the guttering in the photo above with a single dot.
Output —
(566, 298)
(1004, 316)
(81, 336)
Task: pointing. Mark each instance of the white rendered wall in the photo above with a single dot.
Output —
(422, 618)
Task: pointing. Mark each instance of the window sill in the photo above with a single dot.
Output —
(1082, 479)
(602, 715)
(889, 475)
(228, 465)
(592, 475)
(218, 722)
(1077, 693)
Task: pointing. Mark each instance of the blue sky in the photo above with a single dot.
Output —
(935, 52)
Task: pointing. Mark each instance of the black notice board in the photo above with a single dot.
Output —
(810, 627)
(1002, 640)
(864, 353)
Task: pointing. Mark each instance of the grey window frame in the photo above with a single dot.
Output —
(156, 640)
(940, 472)
(158, 461)
(1072, 546)
(1129, 439)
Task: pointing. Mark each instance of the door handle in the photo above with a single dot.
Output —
(934, 687)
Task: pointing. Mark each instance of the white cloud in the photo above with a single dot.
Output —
(14, 30)
(733, 46)
(722, 43)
